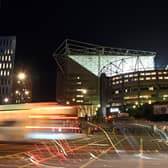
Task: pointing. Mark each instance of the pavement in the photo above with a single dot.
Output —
(136, 150)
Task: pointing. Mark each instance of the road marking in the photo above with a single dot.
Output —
(99, 144)
(94, 159)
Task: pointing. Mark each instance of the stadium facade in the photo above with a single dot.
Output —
(80, 66)
(135, 88)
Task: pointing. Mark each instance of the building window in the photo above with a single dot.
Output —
(160, 77)
(1, 72)
(148, 78)
(153, 78)
(10, 65)
(166, 77)
(79, 83)
(148, 73)
(126, 80)
(9, 58)
(6, 90)
(4, 72)
(117, 92)
(78, 77)
(141, 78)
(153, 73)
(151, 88)
(3, 65)
(79, 95)
(0, 65)
(8, 73)
(142, 74)
(2, 58)
(79, 101)
(6, 58)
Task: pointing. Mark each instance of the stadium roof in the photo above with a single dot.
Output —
(73, 47)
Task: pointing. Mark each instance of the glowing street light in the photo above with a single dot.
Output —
(26, 92)
(84, 91)
(21, 76)
(6, 100)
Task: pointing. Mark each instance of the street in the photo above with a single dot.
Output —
(93, 150)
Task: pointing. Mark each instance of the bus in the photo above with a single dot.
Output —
(36, 121)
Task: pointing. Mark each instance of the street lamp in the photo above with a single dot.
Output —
(84, 91)
(21, 76)
(6, 100)
(26, 92)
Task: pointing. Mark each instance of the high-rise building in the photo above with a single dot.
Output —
(7, 56)
(81, 64)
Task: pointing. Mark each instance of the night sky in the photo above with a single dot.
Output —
(40, 26)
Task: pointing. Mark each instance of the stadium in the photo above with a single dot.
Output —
(80, 65)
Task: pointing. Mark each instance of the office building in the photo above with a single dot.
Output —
(7, 56)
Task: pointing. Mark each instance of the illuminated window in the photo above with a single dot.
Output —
(151, 88)
(10, 65)
(126, 80)
(117, 92)
(145, 96)
(165, 95)
(160, 77)
(8, 51)
(78, 77)
(79, 101)
(166, 77)
(142, 74)
(121, 81)
(117, 82)
(135, 74)
(2, 58)
(6, 58)
(131, 75)
(79, 95)
(141, 78)
(0, 65)
(164, 72)
(126, 90)
(148, 78)
(148, 73)
(4, 73)
(160, 73)
(3, 65)
(135, 79)
(113, 83)
(6, 65)
(153, 73)
(126, 76)
(8, 73)
(9, 58)
(11, 51)
(153, 77)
